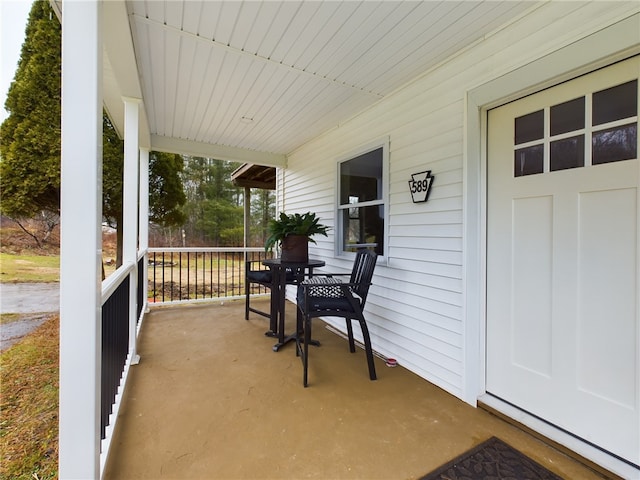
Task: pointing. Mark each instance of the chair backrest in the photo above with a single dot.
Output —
(362, 272)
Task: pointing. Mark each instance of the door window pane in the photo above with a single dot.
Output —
(567, 117)
(528, 161)
(615, 144)
(567, 153)
(556, 136)
(615, 103)
(529, 127)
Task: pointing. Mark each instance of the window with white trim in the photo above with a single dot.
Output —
(362, 200)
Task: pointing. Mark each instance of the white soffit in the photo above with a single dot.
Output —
(119, 70)
(269, 76)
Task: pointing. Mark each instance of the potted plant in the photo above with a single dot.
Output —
(293, 233)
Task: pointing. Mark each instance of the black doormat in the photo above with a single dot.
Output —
(492, 459)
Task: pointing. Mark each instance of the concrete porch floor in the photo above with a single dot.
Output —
(211, 400)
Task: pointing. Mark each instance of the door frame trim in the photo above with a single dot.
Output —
(612, 44)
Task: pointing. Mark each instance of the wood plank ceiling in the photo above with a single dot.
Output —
(267, 76)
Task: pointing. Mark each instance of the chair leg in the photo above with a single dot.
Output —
(299, 332)
(305, 355)
(352, 343)
(246, 299)
(368, 349)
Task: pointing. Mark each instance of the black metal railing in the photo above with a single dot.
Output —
(140, 291)
(189, 274)
(115, 347)
(172, 275)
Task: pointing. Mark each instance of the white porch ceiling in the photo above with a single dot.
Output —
(252, 81)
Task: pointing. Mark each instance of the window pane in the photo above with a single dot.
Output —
(530, 127)
(363, 227)
(567, 153)
(528, 161)
(615, 144)
(615, 103)
(361, 178)
(567, 117)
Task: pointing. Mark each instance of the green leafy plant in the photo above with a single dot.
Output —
(307, 224)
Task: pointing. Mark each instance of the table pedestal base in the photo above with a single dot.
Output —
(292, 338)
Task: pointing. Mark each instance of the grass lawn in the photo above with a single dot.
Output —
(29, 268)
(29, 403)
(10, 317)
(29, 372)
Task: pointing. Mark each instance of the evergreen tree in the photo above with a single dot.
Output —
(30, 159)
(112, 174)
(214, 205)
(30, 135)
(263, 209)
(222, 222)
(30, 142)
(195, 177)
(166, 196)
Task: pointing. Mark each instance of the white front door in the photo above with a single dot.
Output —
(563, 328)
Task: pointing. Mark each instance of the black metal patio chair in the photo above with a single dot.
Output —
(326, 296)
(257, 273)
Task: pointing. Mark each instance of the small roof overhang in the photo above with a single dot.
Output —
(255, 176)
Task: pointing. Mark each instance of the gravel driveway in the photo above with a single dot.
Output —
(33, 302)
(29, 297)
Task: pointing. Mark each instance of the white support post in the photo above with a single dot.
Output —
(247, 220)
(144, 219)
(130, 212)
(80, 241)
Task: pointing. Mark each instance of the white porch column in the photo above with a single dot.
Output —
(130, 211)
(143, 236)
(247, 220)
(81, 241)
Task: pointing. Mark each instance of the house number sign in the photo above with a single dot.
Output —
(420, 186)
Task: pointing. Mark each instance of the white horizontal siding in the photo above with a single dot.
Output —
(415, 307)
